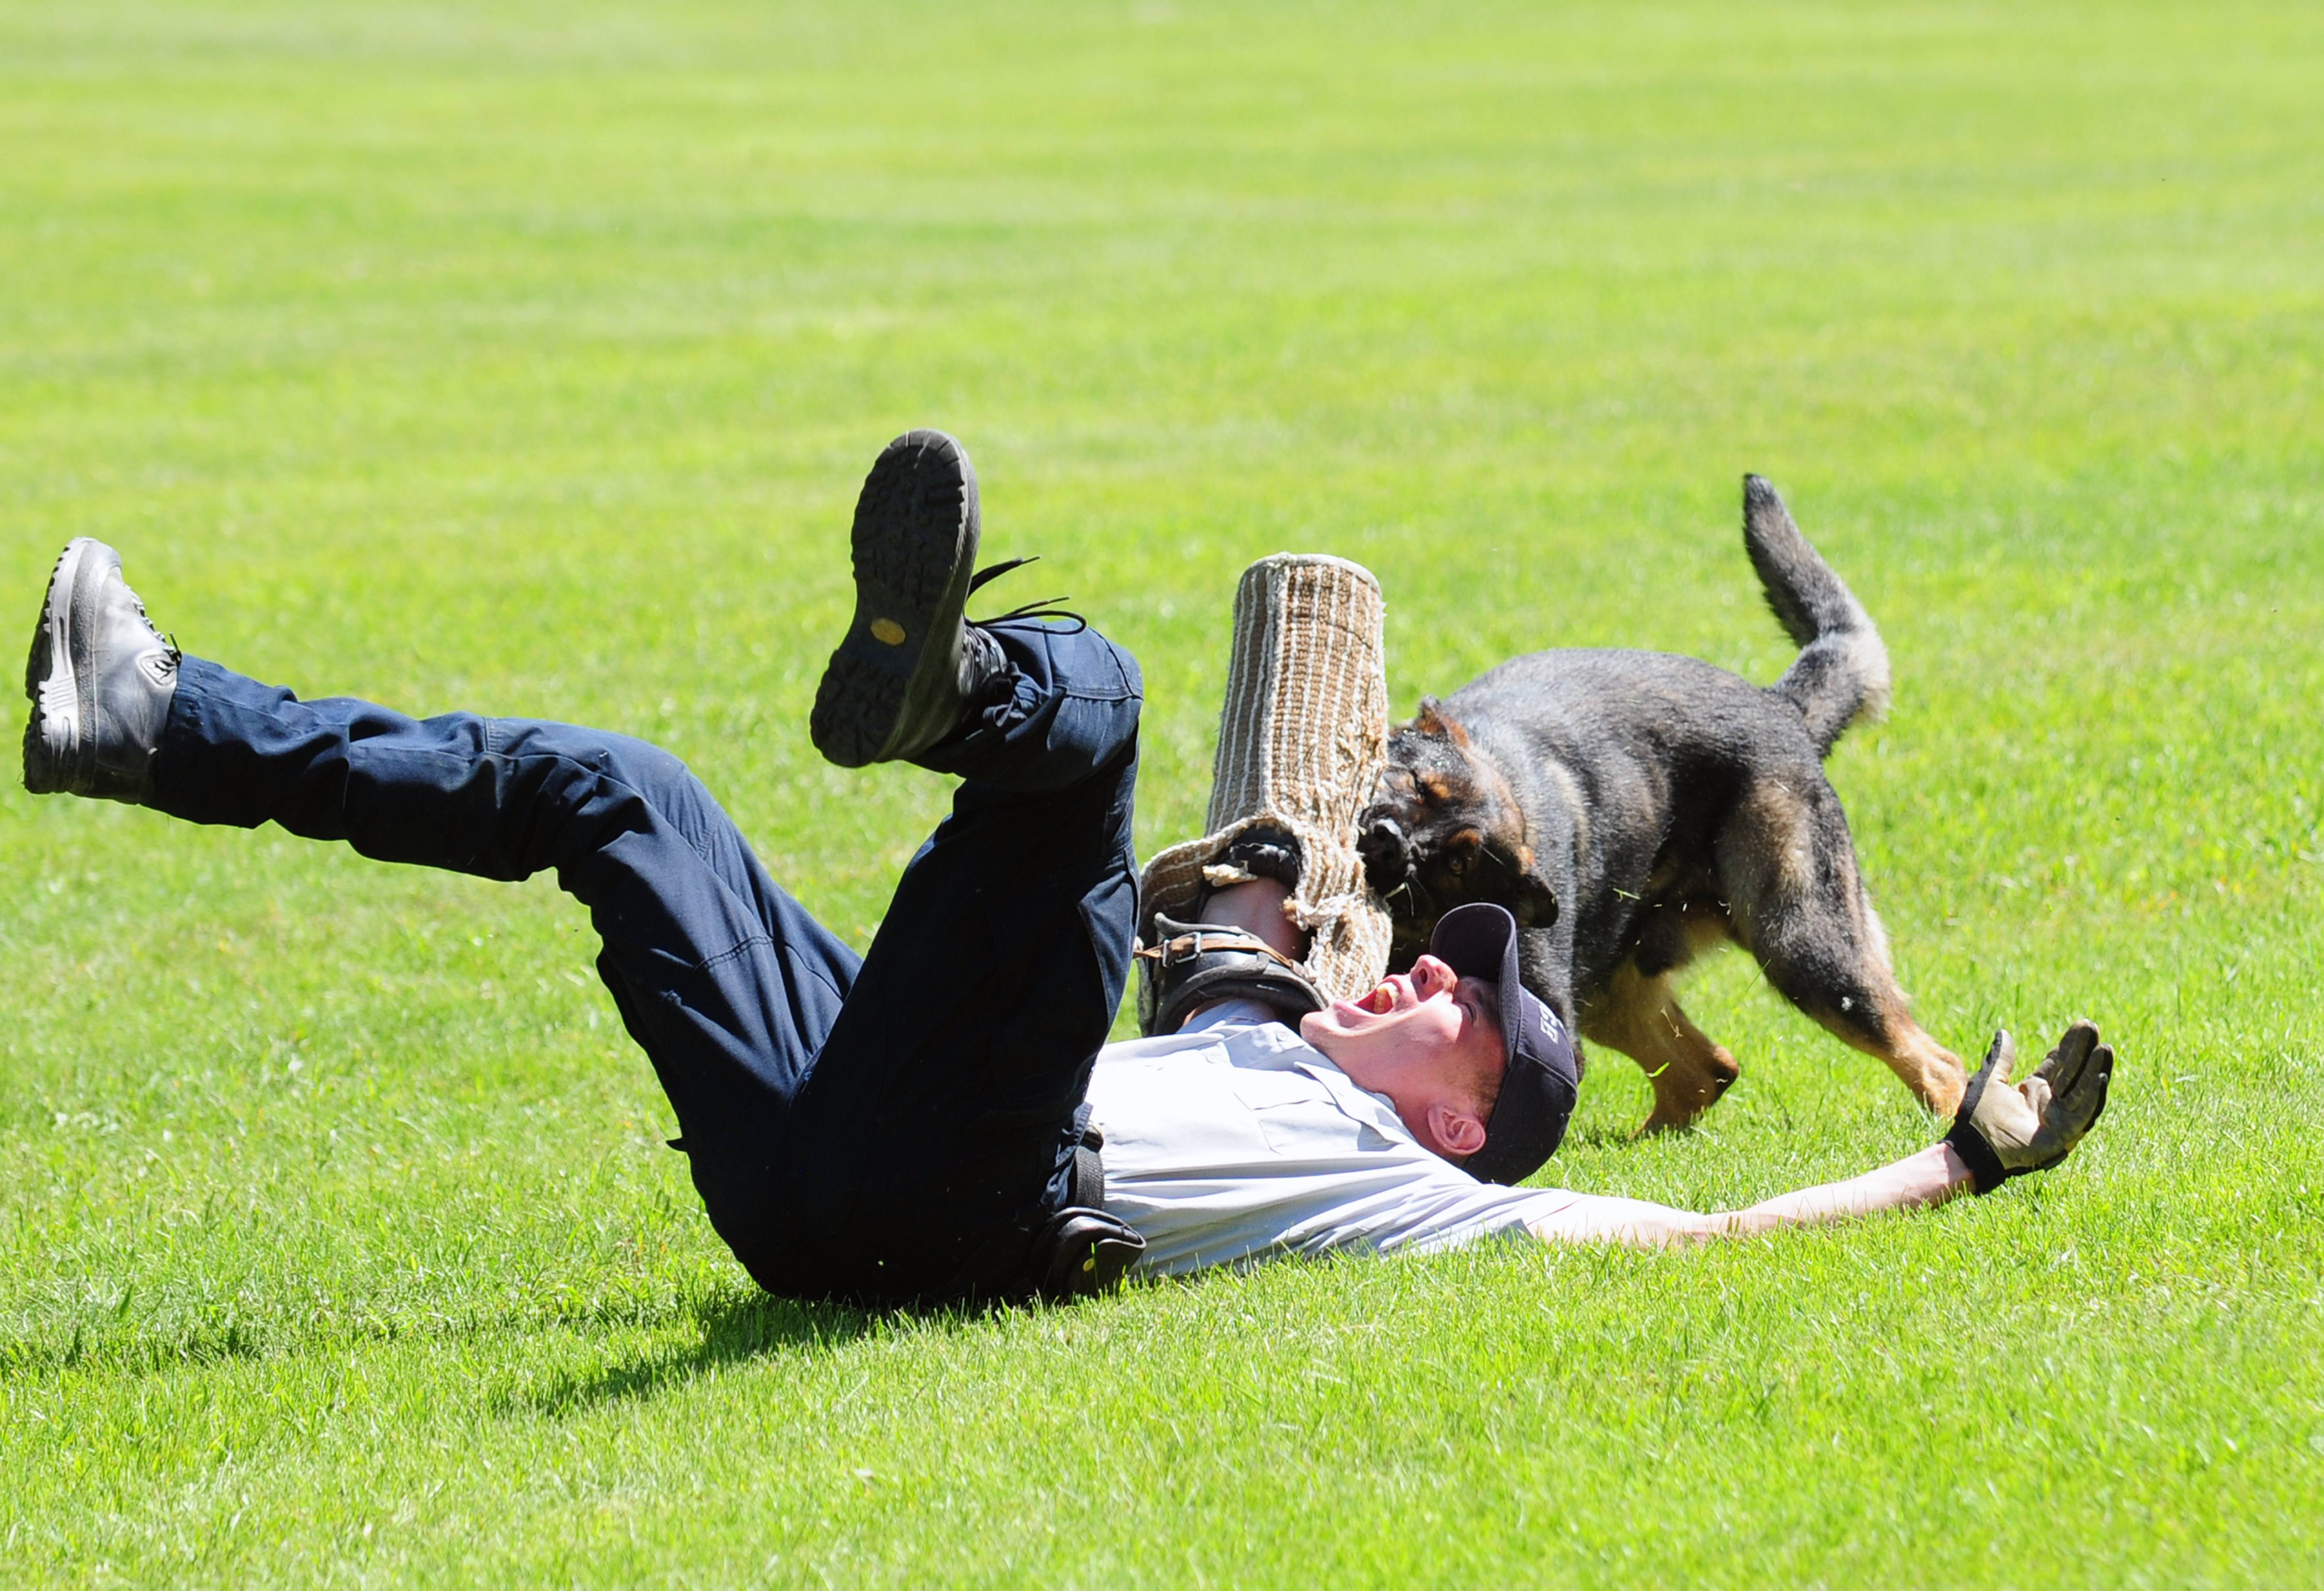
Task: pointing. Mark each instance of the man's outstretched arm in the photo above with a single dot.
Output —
(1930, 1177)
(2004, 1130)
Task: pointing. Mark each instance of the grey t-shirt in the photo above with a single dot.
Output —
(1235, 1139)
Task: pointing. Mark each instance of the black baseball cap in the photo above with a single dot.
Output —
(1480, 941)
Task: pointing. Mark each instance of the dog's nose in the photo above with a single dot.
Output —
(1387, 851)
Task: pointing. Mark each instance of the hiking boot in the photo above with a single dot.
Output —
(100, 677)
(912, 665)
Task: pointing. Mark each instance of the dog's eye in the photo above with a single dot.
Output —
(1461, 865)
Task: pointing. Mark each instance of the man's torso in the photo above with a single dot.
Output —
(1235, 1139)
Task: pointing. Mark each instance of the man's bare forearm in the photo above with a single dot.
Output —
(1916, 1181)
(1257, 907)
(1930, 1177)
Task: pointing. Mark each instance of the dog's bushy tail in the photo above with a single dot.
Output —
(1841, 675)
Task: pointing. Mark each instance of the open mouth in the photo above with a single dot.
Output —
(1380, 1002)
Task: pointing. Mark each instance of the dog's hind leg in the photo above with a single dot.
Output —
(1640, 1016)
(1795, 900)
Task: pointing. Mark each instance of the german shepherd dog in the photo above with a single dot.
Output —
(1634, 808)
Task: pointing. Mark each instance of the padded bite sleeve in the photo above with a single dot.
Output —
(1303, 736)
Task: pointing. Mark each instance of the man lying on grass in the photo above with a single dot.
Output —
(912, 1127)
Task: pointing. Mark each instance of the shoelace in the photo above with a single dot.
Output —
(168, 640)
(1041, 608)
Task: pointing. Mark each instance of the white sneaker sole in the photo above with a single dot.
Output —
(51, 681)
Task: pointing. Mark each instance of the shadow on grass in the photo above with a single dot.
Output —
(1617, 1136)
(735, 1327)
(131, 1348)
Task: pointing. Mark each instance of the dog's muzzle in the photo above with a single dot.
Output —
(1392, 868)
(1392, 871)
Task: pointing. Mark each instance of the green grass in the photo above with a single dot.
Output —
(529, 362)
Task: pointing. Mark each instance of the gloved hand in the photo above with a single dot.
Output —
(2003, 1131)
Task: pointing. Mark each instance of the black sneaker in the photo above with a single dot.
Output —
(911, 664)
(100, 677)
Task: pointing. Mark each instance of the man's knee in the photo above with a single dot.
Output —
(592, 759)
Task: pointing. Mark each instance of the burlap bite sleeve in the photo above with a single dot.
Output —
(1302, 739)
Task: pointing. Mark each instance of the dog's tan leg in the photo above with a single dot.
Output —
(1931, 1071)
(1797, 903)
(1640, 1016)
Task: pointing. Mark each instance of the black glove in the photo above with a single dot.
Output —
(1266, 851)
(2003, 1131)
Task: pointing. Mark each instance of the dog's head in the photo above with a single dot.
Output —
(1445, 829)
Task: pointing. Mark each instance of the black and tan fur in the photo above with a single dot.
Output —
(1635, 809)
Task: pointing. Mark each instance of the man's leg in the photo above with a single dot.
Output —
(905, 1142)
(930, 1138)
(890, 1130)
(724, 979)
(933, 1140)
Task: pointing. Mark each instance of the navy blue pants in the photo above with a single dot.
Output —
(890, 1128)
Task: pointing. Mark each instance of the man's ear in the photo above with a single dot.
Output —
(1459, 1133)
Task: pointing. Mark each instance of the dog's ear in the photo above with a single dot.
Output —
(1432, 723)
(1532, 901)
(1537, 903)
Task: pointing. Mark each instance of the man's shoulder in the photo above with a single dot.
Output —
(1236, 1064)
(1241, 1033)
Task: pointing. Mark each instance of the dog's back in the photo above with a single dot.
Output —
(1633, 808)
(1625, 764)
(1604, 772)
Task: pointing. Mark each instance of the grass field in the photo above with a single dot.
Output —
(494, 358)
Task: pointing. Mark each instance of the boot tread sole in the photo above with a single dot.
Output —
(913, 543)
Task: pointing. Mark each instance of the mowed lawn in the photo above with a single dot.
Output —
(524, 361)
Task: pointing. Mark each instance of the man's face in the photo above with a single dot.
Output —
(1428, 1039)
